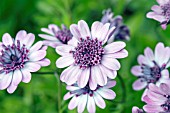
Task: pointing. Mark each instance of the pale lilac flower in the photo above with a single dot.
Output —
(158, 98)
(55, 36)
(137, 110)
(18, 58)
(121, 32)
(152, 67)
(88, 61)
(85, 97)
(161, 12)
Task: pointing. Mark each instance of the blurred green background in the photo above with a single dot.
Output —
(41, 94)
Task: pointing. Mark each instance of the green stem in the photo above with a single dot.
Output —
(59, 93)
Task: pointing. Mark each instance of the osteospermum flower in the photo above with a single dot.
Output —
(152, 67)
(161, 12)
(18, 58)
(158, 98)
(88, 61)
(85, 97)
(56, 36)
(137, 110)
(121, 32)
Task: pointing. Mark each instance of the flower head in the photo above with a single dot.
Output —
(161, 12)
(56, 36)
(158, 98)
(152, 67)
(85, 97)
(88, 61)
(18, 58)
(137, 110)
(121, 32)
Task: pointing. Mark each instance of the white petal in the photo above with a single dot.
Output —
(44, 62)
(110, 63)
(32, 67)
(92, 82)
(84, 29)
(107, 93)
(82, 103)
(99, 101)
(47, 31)
(64, 49)
(48, 37)
(7, 39)
(73, 42)
(17, 77)
(36, 46)
(6, 80)
(75, 31)
(114, 47)
(95, 29)
(29, 39)
(26, 76)
(37, 55)
(83, 78)
(91, 104)
(20, 36)
(64, 61)
(11, 88)
(68, 96)
(74, 102)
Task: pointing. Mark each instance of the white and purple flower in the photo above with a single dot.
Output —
(88, 61)
(137, 110)
(18, 58)
(158, 98)
(161, 12)
(121, 32)
(152, 67)
(56, 36)
(85, 97)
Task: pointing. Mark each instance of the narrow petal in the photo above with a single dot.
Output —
(91, 104)
(114, 47)
(111, 74)
(110, 84)
(26, 76)
(109, 38)
(96, 71)
(84, 78)
(47, 37)
(68, 96)
(11, 88)
(99, 100)
(64, 49)
(162, 2)
(65, 73)
(149, 53)
(92, 82)
(110, 63)
(84, 29)
(29, 39)
(44, 62)
(36, 46)
(6, 80)
(136, 70)
(139, 84)
(118, 55)
(75, 31)
(73, 42)
(74, 75)
(37, 55)
(144, 60)
(153, 108)
(7, 39)
(165, 74)
(82, 103)
(20, 36)
(95, 29)
(73, 103)
(47, 31)
(107, 93)
(17, 77)
(32, 67)
(157, 9)
(53, 27)
(64, 61)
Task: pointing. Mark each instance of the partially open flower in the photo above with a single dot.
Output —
(56, 36)
(161, 12)
(85, 97)
(158, 98)
(88, 61)
(152, 67)
(137, 110)
(121, 32)
(18, 58)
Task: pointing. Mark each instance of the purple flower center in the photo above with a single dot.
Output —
(166, 11)
(13, 57)
(63, 35)
(151, 74)
(166, 106)
(88, 53)
(85, 90)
